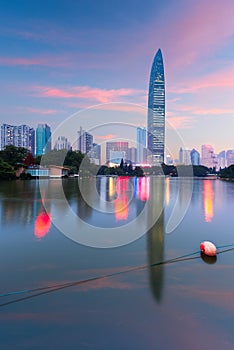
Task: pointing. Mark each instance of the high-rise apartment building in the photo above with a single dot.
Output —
(132, 154)
(221, 160)
(19, 136)
(141, 145)
(156, 111)
(62, 143)
(208, 157)
(95, 154)
(43, 139)
(116, 149)
(84, 141)
(184, 156)
(195, 157)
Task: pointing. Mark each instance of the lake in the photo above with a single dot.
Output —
(90, 260)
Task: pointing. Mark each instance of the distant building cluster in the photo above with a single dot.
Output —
(207, 157)
(24, 136)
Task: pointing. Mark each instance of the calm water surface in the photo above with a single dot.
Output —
(188, 304)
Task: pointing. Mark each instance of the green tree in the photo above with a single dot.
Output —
(138, 171)
(13, 155)
(7, 171)
(74, 159)
(227, 173)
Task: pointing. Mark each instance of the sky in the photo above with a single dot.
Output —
(59, 58)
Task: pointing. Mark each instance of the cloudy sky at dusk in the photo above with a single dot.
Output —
(58, 57)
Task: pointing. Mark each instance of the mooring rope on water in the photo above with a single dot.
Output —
(47, 289)
(70, 284)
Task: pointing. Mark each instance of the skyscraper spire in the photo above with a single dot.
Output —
(156, 111)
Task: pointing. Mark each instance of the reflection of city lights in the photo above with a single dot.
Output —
(111, 187)
(121, 209)
(167, 190)
(208, 200)
(42, 225)
(142, 188)
(121, 202)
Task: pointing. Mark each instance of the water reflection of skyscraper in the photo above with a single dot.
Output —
(73, 194)
(155, 237)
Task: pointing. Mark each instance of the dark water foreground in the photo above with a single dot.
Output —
(187, 304)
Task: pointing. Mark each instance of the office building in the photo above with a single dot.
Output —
(208, 157)
(156, 111)
(62, 143)
(169, 159)
(120, 147)
(19, 136)
(43, 139)
(132, 154)
(184, 156)
(221, 160)
(141, 145)
(84, 141)
(95, 154)
(195, 157)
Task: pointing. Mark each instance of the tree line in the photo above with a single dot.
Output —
(12, 157)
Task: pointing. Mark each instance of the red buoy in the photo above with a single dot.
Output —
(208, 248)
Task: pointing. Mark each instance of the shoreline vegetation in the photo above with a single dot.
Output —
(14, 162)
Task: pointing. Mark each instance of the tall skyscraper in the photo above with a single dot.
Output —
(84, 141)
(43, 139)
(156, 110)
(19, 136)
(141, 145)
(116, 150)
(195, 157)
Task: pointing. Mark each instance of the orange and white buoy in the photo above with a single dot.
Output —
(208, 248)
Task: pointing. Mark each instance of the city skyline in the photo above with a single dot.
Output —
(25, 136)
(53, 66)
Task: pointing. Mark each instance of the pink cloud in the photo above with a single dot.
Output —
(128, 107)
(106, 137)
(39, 111)
(196, 31)
(47, 61)
(86, 92)
(202, 29)
(220, 79)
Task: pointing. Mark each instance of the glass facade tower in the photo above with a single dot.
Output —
(141, 145)
(156, 111)
(43, 139)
